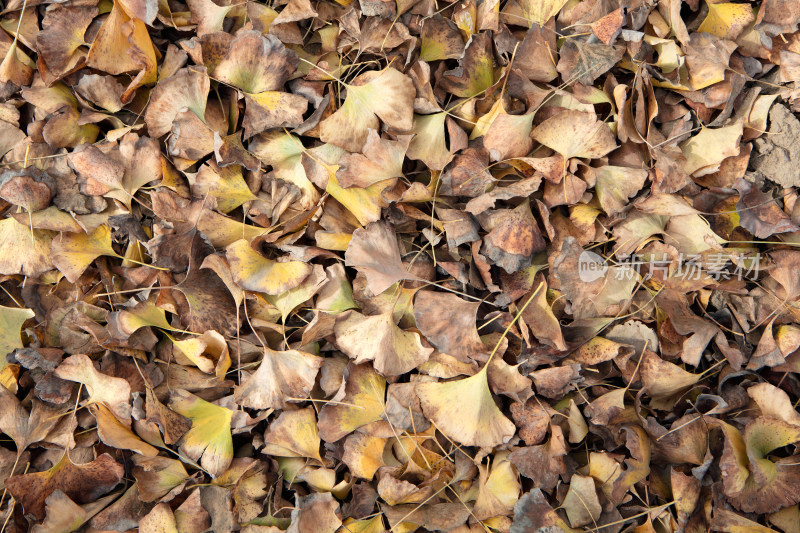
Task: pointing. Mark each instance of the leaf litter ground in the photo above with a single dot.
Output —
(362, 266)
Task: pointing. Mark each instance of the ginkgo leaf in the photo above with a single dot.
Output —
(63, 34)
(540, 11)
(374, 252)
(499, 489)
(691, 234)
(575, 134)
(15, 236)
(287, 301)
(387, 95)
(209, 352)
(448, 323)
(281, 378)
(706, 59)
(662, 378)
(123, 45)
(337, 293)
(726, 20)
(294, 434)
(208, 16)
(254, 272)
(465, 411)
(366, 525)
(226, 184)
(508, 136)
(581, 502)
(113, 392)
(29, 426)
(705, 151)
(63, 514)
(187, 88)
(256, 63)
(160, 519)
(11, 320)
(382, 160)
(82, 483)
(363, 454)
(361, 403)
(272, 109)
(158, 476)
(223, 231)
(117, 435)
(364, 203)
(74, 252)
(429, 143)
(475, 73)
(283, 152)
(209, 440)
(440, 40)
(615, 185)
(377, 338)
(752, 481)
(774, 402)
(123, 323)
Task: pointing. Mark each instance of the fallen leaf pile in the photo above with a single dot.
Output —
(358, 266)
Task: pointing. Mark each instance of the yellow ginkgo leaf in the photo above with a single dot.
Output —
(209, 439)
(378, 338)
(498, 491)
(616, 184)
(387, 94)
(123, 45)
(429, 143)
(160, 519)
(363, 454)
(366, 525)
(465, 411)
(705, 151)
(293, 434)
(208, 352)
(11, 320)
(288, 301)
(222, 231)
(774, 402)
(74, 252)
(225, 184)
(363, 403)
(727, 20)
(254, 272)
(540, 11)
(118, 435)
(575, 134)
(364, 203)
(121, 324)
(283, 152)
(14, 237)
